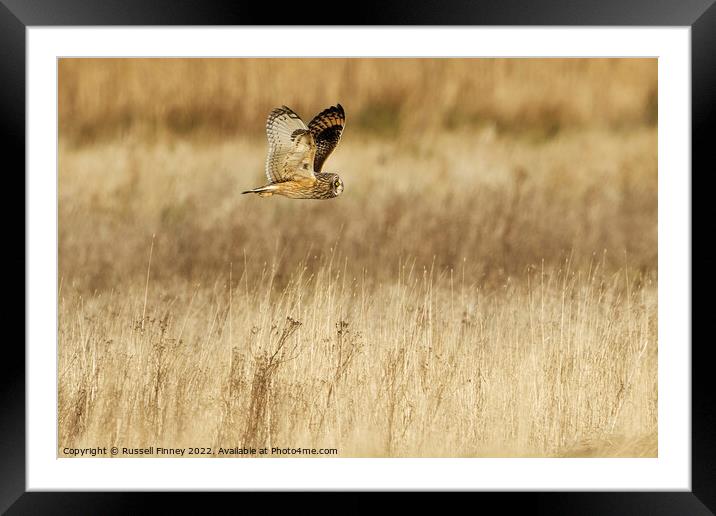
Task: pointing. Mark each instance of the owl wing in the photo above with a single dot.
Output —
(291, 146)
(326, 128)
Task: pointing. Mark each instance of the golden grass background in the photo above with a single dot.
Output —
(485, 286)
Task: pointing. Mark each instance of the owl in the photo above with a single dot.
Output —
(296, 154)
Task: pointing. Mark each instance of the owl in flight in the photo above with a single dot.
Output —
(296, 154)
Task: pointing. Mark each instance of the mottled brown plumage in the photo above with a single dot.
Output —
(296, 154)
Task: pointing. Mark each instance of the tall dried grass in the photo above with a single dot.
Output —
(481, 290)
(430, 365)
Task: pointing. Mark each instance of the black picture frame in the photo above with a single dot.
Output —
(17, 15)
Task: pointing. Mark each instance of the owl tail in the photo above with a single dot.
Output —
(263, 191)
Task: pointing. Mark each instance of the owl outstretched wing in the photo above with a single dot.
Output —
(326, 128)
(291, 146)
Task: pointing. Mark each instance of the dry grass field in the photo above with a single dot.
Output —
(485, 286)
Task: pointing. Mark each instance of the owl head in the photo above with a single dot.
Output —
(336, 185)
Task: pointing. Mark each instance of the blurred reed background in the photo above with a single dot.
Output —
(101, 99)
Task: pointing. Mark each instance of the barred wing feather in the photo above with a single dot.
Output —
(326, 128)
(291, 146)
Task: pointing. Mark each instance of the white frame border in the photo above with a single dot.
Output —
(670, 471)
